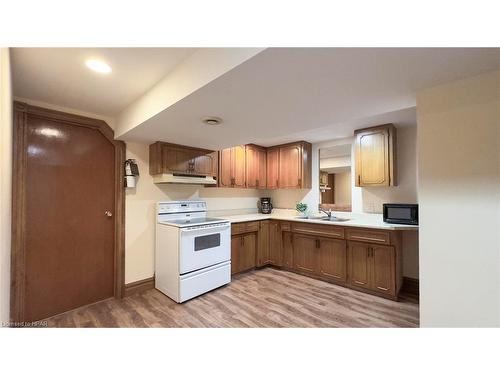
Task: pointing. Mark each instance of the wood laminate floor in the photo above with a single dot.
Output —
(260, 298)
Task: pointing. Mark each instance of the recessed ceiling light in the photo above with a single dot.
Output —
(98, 66)
(212, 120)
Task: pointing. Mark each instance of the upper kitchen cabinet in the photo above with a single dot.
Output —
(256, 167)
(166, 158)
(292, 165)
(232, 168)
(376, 156)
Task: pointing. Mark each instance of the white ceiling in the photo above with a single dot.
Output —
(286, 94)
(279, 95)
(59, 75)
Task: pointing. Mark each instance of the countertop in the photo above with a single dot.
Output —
(374, 221)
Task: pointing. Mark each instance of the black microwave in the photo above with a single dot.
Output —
(401, 213)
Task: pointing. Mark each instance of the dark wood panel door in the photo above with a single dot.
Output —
(272, 168)
(236, 246)
(69, 228)
(333, 259)
(383, 269)
(275, 248)
(359, 267)
(290, 167)
(305, 253)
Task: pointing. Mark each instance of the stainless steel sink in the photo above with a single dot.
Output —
(334, 219)
(323, 218)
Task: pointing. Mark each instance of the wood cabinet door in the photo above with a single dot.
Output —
(177, 159)
(372, 158)
(272, 168)
(263, 247)
(305, 253)
(333, 259)
(287, 250)
(249, 252)
(359, 266)
(252, 166)
(225, 177)
(290, 167)
(235, 253)
(205, 164)
(262, 173)
(275, 252)
(238, 166)
(383, 278)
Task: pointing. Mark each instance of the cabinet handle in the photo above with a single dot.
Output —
(233, 180)
(257, 183)
(277, 184)
(359, 180)
(317, 244)
(299, 182)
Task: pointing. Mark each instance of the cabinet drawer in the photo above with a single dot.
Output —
(367, 235)
(252, 226)
(325, 230)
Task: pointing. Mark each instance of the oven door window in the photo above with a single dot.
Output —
(206, 242)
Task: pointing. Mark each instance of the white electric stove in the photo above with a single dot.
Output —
(193, 251)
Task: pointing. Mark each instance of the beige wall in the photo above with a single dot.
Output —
(459, 196)
(140, 211)
(5, 181)
(342, 188)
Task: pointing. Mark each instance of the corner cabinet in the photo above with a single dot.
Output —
(171, 158)
(376, 156)
(289, 166)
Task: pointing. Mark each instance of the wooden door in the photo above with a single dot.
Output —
(225, 177)
(255, 167)
(275, 252)
(177, 159)
(272, 168)
(372, 158)
(359, 267)
(263, 248)
(236, 248)
(238, 166)
(205, 164)
(383, 269)
(262, 174)
(243, 252)
(66, 226)
(333, 259)
(287, 250)
(305, 253)
(290, 167)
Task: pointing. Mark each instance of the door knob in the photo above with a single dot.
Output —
(108, 213)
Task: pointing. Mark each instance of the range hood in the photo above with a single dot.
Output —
(180, 178)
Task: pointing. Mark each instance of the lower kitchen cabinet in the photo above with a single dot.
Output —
(372, 267)
(322, 251)
(275, 253)
(243, 252)
(263, 248)
(305, 253)
(332, 259)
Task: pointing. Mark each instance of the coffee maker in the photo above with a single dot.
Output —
(265, 205)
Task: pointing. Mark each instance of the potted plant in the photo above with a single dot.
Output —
(302, 209)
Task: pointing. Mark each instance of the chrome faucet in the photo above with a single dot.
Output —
(328, 213)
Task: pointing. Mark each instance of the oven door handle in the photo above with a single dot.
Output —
(211, 228)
